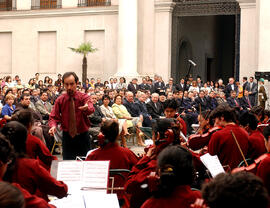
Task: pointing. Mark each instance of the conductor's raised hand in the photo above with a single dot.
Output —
(84, 107)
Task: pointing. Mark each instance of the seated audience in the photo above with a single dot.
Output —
(8, 108)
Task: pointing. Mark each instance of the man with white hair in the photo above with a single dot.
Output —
(154, 107)
(142, 106)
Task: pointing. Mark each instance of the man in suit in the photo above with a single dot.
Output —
(151, 86)
(159, 86)
(154, 107)
(96, 120)
(170, 85)
(143, 109)
(144, 85)
(252, 89)
(231, 86)
(233, 101)
(133, 86)
(212, 102)
(98, 84)
(43, 106)
(132, 108)
(245, 82)
(201, 102)
(245, 102)
(180, 86)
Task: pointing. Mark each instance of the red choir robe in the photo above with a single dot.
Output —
(263, 171)
(36, 149)
(257, 144)
(197, 141)
(120, 158)
(37, 180)
(182, 197)
(137, 178)
(32, 201)
(224, 146)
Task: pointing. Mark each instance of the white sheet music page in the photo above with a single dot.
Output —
(95, 174)
(213, 164)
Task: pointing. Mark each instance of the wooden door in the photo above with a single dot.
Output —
(5, 4)
(48, 4)
(96, 2)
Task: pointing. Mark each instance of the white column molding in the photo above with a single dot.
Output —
(127, 38)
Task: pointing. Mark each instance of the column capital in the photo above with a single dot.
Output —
(164, 5)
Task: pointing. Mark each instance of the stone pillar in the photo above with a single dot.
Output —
(127, 38)
(23, 5)
(163, 37)
(146, 34)
(263, 15)
(248, 43)
(69, 3)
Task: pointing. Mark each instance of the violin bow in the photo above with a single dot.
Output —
(239, 148)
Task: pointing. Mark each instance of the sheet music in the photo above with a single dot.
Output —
(84, 174)
(213, 164)
(85, 199)
(95, 174)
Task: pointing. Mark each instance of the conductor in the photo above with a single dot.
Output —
(71, 111)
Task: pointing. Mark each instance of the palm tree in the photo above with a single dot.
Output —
(84, 49)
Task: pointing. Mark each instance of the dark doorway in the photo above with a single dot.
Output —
(212, 40)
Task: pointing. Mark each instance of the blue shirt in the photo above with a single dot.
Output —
(7, 110)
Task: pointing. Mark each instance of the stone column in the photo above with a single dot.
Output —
(127, 38)
(69, 3)
(23, 5)
(163, 37)
(248, 42)
(263, 15)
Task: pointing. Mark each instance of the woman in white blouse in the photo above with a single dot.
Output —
(108, 113)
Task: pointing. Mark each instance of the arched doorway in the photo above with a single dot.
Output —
(184, 54)
(209, 34)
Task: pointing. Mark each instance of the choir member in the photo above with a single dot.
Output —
(120, 157)
(222, 143)
(35, 148)
(166, 133)
(28, 172)
(175, 174)
(13, 195)
(237, 190)
(256, 139)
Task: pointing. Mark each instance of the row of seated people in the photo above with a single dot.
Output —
(226, 150)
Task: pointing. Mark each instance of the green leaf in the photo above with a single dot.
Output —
(84, 48)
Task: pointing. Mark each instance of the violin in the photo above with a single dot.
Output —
(253, 167)
(198, 141)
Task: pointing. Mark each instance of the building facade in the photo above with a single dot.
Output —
(135, 37)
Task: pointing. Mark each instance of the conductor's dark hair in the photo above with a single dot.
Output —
(224, 111)
(248, 119)
(6, 150)
(175, 165)
(170, 104)
(10, 196)
(241, 189)
(110, 129)
(68, 74)
(23, 116)
(16, 133)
